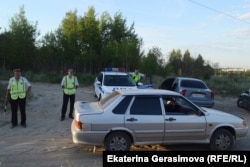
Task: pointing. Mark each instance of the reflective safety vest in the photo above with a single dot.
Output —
(69, 85)
(17, 89)
(136, 78)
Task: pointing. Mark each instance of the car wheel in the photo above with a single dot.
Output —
(240, 103)
(117, 141)
(221, 140)
(99, 97)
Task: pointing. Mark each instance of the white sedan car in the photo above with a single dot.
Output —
(153, 116)
(112, 79)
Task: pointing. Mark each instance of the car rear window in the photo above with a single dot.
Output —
(122, 106)
(193, 84)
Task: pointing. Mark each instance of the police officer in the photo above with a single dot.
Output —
(17, 89)
(136, 76)
(69, 84)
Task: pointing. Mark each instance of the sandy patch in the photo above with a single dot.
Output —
(47, 141)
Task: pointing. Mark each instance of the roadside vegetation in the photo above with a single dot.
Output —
(88, 44)
(221, 85)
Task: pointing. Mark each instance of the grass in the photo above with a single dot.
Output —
(228, 86)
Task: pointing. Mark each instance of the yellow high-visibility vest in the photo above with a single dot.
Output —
(69, 85)
(136, 78)
(17, 89)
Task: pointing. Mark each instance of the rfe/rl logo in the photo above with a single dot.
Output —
(225, 158)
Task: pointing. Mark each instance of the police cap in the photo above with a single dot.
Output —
(17, 70)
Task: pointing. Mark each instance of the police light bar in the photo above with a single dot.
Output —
(110, 69)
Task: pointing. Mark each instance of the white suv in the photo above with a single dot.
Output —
(112, 79)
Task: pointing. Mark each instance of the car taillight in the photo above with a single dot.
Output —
(244, 123)
(78, 125)
(183, 92)
(212, 95)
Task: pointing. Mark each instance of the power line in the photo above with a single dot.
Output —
(220, 12)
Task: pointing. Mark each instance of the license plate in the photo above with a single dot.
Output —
(198, 95)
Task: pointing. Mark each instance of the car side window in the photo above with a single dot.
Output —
(122, 106)
(99, 77)
(146, 105)
(172, 107)
(179, 106)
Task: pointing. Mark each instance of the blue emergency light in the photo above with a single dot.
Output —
(111, 69)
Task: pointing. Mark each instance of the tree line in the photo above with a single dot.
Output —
(88, 44)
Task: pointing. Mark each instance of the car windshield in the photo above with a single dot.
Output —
(118, 80)
(193, 84)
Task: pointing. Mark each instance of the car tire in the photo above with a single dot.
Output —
(222, 140)
(240, 103)
(117, 141)
(99, 97)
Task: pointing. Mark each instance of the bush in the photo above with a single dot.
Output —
(228, 85)
(219, 84)
(3, 88)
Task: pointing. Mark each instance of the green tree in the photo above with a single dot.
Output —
(70, 40)
(90, 40)
(5, 49)
(187, 64)
(152, 63)
(88, 44)
(23, 41)
(199, 66)
(130, 52)
(50, 54)
(175, 62)
(120, 44)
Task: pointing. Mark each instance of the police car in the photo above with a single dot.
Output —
(111, 79)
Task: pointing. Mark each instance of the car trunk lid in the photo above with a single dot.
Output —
(84, 107)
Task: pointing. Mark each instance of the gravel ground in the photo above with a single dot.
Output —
(47, 141)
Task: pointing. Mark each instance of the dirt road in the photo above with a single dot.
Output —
(47, 141)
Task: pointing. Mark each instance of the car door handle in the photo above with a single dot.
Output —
(131, 119)
(170, 119)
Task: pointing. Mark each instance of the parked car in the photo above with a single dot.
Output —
(142, 85)
(244, 100)
(152, 116)
(111, 79)
(194, 89)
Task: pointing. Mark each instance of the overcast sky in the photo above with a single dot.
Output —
(219, 30)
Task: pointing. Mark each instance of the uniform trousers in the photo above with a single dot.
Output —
(21, 103)
(67, 98)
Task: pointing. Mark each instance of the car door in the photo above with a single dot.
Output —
(98, 84)
(145, 118)
(183, 120)
(167, 84)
